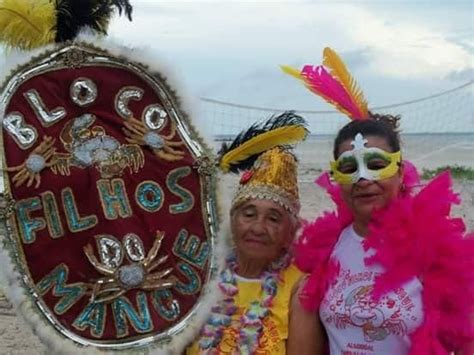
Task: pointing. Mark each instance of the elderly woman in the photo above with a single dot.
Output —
(391, 271)
(260, 312)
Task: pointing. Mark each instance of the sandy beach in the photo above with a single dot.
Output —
(16, 337)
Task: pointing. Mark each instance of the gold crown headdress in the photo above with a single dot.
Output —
(269, 168)
(337, 86)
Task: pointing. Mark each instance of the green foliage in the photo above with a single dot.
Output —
(457, 172)
(313, 171)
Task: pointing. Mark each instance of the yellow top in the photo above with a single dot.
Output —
(275, 325)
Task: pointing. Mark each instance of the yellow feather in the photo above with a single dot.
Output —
(263, 142)
(339, 71)
(291, 71)
(27, 24)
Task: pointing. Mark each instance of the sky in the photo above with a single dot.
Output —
(397, 50)
(231, 50)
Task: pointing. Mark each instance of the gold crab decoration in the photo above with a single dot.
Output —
(118, 278)
(41, 157)
(162, 146)
(86, 146)
(91, 146)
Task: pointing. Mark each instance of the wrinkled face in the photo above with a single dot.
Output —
(363, 196)
(261, 229)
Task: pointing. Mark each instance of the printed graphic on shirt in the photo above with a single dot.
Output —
(349, 304)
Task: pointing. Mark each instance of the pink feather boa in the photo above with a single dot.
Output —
(413, 237)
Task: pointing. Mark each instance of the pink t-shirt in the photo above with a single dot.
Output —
(355, 324)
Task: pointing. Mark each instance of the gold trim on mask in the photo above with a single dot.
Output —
(364, 163)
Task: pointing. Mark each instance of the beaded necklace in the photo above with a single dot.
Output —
(251, 322)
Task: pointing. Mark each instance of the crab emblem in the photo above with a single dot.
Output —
(118, 278)
(86, 147)
(29, 170)
(91, 146)
(162, 146)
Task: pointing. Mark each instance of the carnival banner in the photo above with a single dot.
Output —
(109, 207)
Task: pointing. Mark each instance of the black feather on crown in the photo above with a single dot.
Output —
(74, 15)
(288, 118)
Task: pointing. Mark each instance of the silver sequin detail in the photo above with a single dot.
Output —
(35, 163)
(110, 251)
(155, 117)
(134, 247)
(123, 97)
(83, 91)
(154, 140)
(94, 150)
(131, 275)
(83, 121)
(25, 134)
(100, 155)
(46, 118)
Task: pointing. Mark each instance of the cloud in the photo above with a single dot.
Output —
(461, 75)
(231, 51)
(404, 50)
(358, 58)
(257, 33)
(464, 38)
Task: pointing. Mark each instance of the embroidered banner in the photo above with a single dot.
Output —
(109, 198)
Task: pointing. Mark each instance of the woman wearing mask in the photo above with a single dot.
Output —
(391, 271)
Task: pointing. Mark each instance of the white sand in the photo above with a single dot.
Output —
(15, 336)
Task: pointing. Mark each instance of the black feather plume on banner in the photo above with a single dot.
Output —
(123, 5)
(286, 119)
(73, 15)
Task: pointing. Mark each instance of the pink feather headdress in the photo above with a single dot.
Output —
(336, 86)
